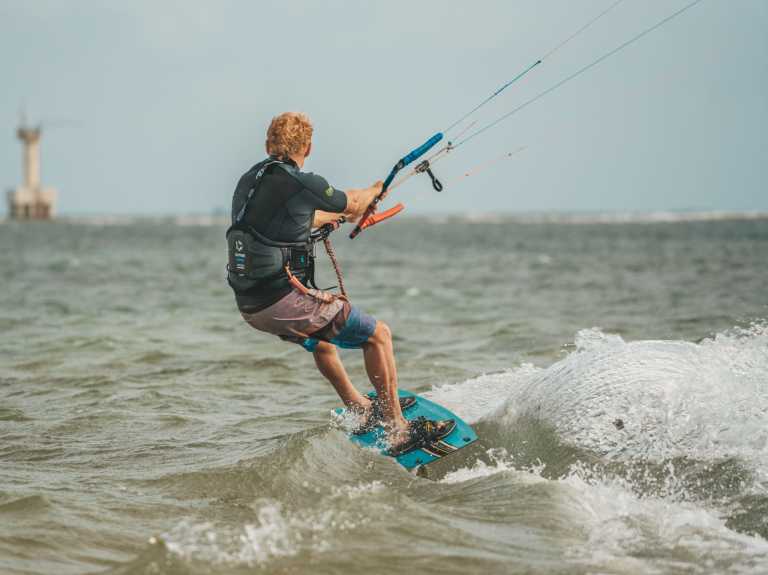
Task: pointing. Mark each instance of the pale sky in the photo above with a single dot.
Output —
(157, 107)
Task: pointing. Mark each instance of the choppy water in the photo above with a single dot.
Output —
(617, 373)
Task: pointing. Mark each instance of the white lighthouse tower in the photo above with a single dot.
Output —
(31, 201)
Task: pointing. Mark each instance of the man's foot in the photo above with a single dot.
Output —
(376, 415)
(420, 432)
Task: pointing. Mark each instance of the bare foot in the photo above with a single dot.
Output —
(361, 410)
(398, 433)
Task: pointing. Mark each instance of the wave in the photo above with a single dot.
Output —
(649, 399)
(678, 486)
(24, 504)
(670, 421)
(653, 399)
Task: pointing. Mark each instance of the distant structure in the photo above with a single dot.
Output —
(31, 201)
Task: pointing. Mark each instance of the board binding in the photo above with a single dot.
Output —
(462, 435)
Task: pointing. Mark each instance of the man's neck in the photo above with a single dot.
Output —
(299, 160)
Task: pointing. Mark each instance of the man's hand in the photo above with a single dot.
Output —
(359, 200)
(378, 184)
(321, 218)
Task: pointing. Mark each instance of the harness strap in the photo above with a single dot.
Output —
(273, 243)
(321, 296)
(241, 214)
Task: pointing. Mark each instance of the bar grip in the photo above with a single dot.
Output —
(404, 161)
(421, 150)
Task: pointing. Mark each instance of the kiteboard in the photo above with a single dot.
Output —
(417, 459)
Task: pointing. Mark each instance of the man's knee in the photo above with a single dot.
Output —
(324, 349)
(381, 335)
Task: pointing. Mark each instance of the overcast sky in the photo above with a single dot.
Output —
(157, 107)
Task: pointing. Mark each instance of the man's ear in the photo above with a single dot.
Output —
(266, 147)
(309, 150)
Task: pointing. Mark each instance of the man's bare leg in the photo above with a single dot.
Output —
(328, 362)
(380, 366)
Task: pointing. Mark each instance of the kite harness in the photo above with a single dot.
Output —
(258, 261)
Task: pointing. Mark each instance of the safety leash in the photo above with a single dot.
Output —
(322, 233)
(319, 295)
(336, 267)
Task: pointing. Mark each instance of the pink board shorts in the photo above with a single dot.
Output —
(305, 320)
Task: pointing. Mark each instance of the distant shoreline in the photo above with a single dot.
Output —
(577, 218)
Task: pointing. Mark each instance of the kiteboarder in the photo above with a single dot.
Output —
(271, 270)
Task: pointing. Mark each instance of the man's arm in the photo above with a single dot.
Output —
(357, 201)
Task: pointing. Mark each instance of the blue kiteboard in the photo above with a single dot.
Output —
(461, 436)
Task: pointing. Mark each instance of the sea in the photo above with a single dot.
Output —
(615, 368)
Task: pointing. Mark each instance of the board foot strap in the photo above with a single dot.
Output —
(439, 448)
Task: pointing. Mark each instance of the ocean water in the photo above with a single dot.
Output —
(616, 371)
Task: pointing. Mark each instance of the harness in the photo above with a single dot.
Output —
(253, 266)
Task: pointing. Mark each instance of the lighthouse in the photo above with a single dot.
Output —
(31, 201)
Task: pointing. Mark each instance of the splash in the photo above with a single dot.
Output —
(661, 441)
(500, 461)
(271, 535)
(275, 532)
(645, 534)
(477, 398)
(654, 400)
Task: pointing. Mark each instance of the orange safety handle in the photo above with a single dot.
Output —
(374, 219)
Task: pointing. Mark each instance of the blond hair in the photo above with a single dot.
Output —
(289, 134)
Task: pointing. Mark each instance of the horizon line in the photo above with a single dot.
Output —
(529, 217)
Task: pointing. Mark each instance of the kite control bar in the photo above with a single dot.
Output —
(369, 218)
(325, 230)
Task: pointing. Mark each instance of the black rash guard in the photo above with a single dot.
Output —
(281, 210)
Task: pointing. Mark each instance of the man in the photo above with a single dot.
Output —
(274, 208)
